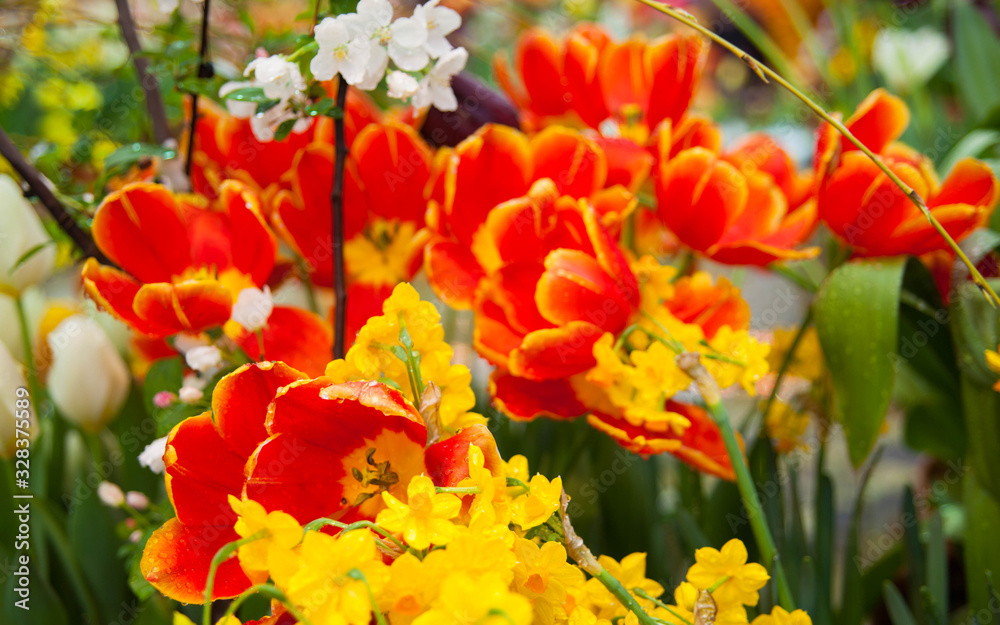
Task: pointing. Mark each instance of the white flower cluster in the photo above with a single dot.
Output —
(281, 80)
(358, 47)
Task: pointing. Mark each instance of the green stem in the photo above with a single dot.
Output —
(765, 73)
(748, 492)
(645, 595)
(787, 362)
(615, 587)
(318, 524)
(64, 550)
(793, 276)
(221, 556)
(357, 574)
(260, 344)
(459, 490)
(29, 354)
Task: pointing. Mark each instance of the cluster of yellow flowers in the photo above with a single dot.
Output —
(637, 371)
(405, 346)
(788, 419)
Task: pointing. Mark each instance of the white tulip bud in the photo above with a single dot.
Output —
(21, 231)
(88, 380)
(11, 415)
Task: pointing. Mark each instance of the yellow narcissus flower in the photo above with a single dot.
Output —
(381, 255)
(413, 585)
(372, 357)
(993, 362)
(466, 600)
(535, 506)
(424, 519)
(543, 575)
(323, 577)
(477, 554)
(742, 579)
(785, 426)
(737, 345)
(685, 596)
(779, 616)
(180, 619)
(806, 362)
(631, 572)
(283, 533)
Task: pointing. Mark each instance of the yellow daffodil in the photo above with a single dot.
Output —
(779, 616)
(466, 600)
(631, 572)
(424, 519)
(535, 506)
(543, 575)
(742, 579)
(785, 426)
(685, 596)
(282, 533)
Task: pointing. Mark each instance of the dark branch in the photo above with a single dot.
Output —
(205, 70)
(48, 199)
(337, 224)
(154, 101)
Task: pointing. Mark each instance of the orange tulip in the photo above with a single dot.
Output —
(869, 212)
(286, 441)
(745, 207)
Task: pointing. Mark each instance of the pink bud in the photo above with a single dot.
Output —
(164, 399)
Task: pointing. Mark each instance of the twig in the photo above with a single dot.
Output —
(154, 100)
(205, 70)
(49, 200)
(765, 73)
(690, 363)
(337, 224)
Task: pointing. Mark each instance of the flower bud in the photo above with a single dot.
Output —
(11, 379)
(21, 231)
(204, 358)
(190, 394)
(111, 494)
(88, 380)
(136, 500)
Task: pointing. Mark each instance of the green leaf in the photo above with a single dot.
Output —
(321, 107)
(92, 534)
(45, 606)
(126, 155)
(937, 568)
(899, 612)
(165, 375)
(972, 144)
(857, 319)
(982, 542)
(284, 129)
(974, 324)
(27, 255)
(247, 94)
(977, 56)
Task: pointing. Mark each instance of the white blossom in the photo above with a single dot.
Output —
(278, 77)
(281, 80)
(190, 394)
(440, 22)
(908, 59)
(339, 52)
(401, 85)
(152, 456)
(435, 88)
(204, 358)
(253, 308)
(408, 38)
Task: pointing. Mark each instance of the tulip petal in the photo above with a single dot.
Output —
(241, 399)
(453, 272)
(539, 63)
(298, 337)
(557, 352)
(575, 287)
(675, 64)
(525, 400)
(190, 306)
(177, 559)
(254, 246)
(447, 461)
(393, 164)
(574, 162)
(114, 292)
(879, 120)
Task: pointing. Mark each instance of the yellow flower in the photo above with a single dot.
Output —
(779, 616)
(806, 362)
(481, 478)
(382, 254)
(737, 345)
(631, 572)
(283, 533)
(466, 600)
(536, 506)
(413, 585)
(742, 580)
(324, 579)
(372, 357)
(180, 619)
(476, 554)
(785, 426)
(685, 596)
(993, 362)
(517, 468)
(543, 575)
(423, 520)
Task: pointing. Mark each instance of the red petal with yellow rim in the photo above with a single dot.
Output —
(675, 63)
(394, 165)
(241, 399)
(557, 352)
(298, 337)
(525, 400)
(190, 306)
(447, 461)
(254, 246)
(453, 272)
(114, 292)
(140, 228)
(574, 162)
(177, 559)
(574, 287)
(539, 63)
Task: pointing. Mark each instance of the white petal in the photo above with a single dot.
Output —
(331, 33)
(443, 97)
(378, 61)
(408, 59)
(353, 67)
(437, 46)
(401, 85)
(252, 308)
(422, 98)
(450, 64)
(236, 108)
(324, 66)
(375, 13)
(409, 32)
(444, 20)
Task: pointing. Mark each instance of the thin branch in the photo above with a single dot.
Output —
(764, 73)
(49, 200)
(337, 224)
(154, 100)
(205, 70)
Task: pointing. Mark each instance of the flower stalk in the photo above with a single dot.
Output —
(766, 74)
(690, 363)
(337, 224)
